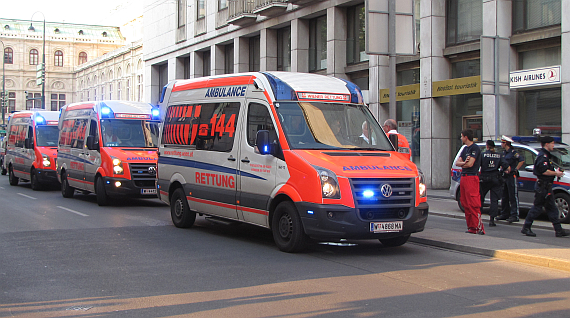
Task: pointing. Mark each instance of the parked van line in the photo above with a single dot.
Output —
(298, 153)
(108, 148)
(31, 149)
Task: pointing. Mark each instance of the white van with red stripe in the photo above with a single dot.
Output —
(297, 153)
(108, 148)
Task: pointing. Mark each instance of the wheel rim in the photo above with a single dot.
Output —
(285, 226)
(178, 209)
(562, 207)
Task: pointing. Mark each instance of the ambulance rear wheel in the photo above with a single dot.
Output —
(180, 212)
(66, 190)
(13, 179)
(34, 180)
(395, 241)
(287, 228)
(102, 197)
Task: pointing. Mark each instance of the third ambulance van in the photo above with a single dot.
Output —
(109, 148)
(297, 153)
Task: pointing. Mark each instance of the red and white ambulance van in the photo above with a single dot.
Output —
(297, 153)
(31, 149)
(108, 148)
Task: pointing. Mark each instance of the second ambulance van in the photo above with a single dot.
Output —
(108, 148)
(31, 148)
(297, 153)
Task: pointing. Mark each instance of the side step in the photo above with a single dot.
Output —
(220, 221)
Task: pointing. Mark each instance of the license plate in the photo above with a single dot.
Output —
(148, 191)
(384, 227)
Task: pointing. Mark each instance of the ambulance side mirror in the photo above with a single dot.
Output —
(394, 140)
(262, 142)
(529, 168)
(92, 144)
(28, 143)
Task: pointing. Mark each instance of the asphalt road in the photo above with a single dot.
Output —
(69, 257)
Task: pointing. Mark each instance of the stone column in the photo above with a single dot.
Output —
(300, 45)
(217, 58)
(268, 50)
(379, 78)
(336, 42)
(241, 55)
(565, 70)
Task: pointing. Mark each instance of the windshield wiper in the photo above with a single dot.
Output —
(369, 148)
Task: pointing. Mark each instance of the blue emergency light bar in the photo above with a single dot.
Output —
(40, 120)
(532, 139)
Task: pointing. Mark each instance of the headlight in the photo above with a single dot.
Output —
(117, 166)
(329, 183)
(45, 161)
(422, 184)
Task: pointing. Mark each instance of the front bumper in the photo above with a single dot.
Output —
(341, 222)
(47, 176)
(128, 188)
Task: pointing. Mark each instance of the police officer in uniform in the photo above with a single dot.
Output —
(510, 201)
(543, 196)
(491, 165)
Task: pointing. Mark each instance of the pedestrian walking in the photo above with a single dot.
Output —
(492, 164)
(470, 162)
(543, 196)
(510, 200)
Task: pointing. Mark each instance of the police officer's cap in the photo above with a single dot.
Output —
(505, 138)
(546, 139)
(491, 143)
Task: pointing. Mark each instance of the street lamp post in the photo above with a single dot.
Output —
(3, 84)
(31, 28)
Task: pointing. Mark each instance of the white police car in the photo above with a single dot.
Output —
(528, 148)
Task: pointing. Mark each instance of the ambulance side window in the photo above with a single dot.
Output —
(20, 135)
(209, 126)
(93, 131)
(258, 118)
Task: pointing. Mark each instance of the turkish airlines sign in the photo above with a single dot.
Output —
(535, 77)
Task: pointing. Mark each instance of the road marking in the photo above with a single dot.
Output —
(2, 188)
(72, 211)
(27, 196)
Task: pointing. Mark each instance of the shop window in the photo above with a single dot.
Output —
(318, 43)
(284, 49)
(229, 59)
(355, 40)
(540, 109)
(466, 68)
(540, 58)
(254, 53)
(534, 14)
(206, 67)
(408, 113)
(8, 56)
(58, 58)
(34, 57)
(464, 21)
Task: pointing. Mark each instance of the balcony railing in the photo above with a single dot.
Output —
(241, 12)
(270, 7)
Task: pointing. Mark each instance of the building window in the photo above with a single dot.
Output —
(8, 56)
(284, 49)
(534, 14)
(206, 63)
(201, 9)
(540, 58)
(11, 102)
(318, 43)
(128, 97)
(82, 57)
(222, 4)
(95, 93)
(356, 41)
(57, 101)
(58, 58)
(34, 100)
(119, 90)
(140, 88)
(229, 59)
(254, 53)
(111, 91)
(540, 108)
(34, 57)
(464, 21)
(181, 13)
(103, 92)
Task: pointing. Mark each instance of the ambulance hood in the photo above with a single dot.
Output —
(133, 154)
(361, 164)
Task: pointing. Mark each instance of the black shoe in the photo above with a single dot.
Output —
(513, 219)
(528, 232)
(492, 223)
(502, 217)
(562, 232)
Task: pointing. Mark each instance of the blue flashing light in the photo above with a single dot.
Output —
(368, 194)
(155, 112)
(281, 90)
(310, 212)
(266, 149)
(40, 120)
(355, 92)
(105, 110)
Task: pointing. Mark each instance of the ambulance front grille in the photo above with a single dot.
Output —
(378, 207)
(143, 174)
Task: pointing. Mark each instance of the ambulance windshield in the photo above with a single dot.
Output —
(129, 133)
(315, 125)
(47, 136)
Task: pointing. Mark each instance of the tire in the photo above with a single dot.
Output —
(180, 212)
(458, 199)
(35, 183)
(288, 232)
(3, 170)
(66, 190)
(562, 201)
(13, 179)
(102, 197)
(395, 241)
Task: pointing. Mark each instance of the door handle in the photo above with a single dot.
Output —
(245, 160)
(231, 159)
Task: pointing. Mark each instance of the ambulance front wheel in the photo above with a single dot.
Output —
(66, 190)
(287, 228)
(102, 197)
(35, 183)
(180, 212)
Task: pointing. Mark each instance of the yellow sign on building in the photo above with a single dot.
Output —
(457, 86)
(406, 92)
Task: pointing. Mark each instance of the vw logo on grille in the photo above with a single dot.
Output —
(152, 172)
(386, 190)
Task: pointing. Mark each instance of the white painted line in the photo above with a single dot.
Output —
(72, 211)
(27, 196)
(2, 188)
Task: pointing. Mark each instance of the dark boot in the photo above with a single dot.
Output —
(562, 232)
(513, 219)
(492, 222)
(527, 231)
(502, 217)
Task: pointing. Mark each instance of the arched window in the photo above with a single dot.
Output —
(82, 57)
(34, 56)
(58, 58)
(8, 56)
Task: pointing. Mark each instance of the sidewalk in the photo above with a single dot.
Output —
(502, 242)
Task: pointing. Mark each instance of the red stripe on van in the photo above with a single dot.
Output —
(212, 82)
(256, 211)
(223, 205)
